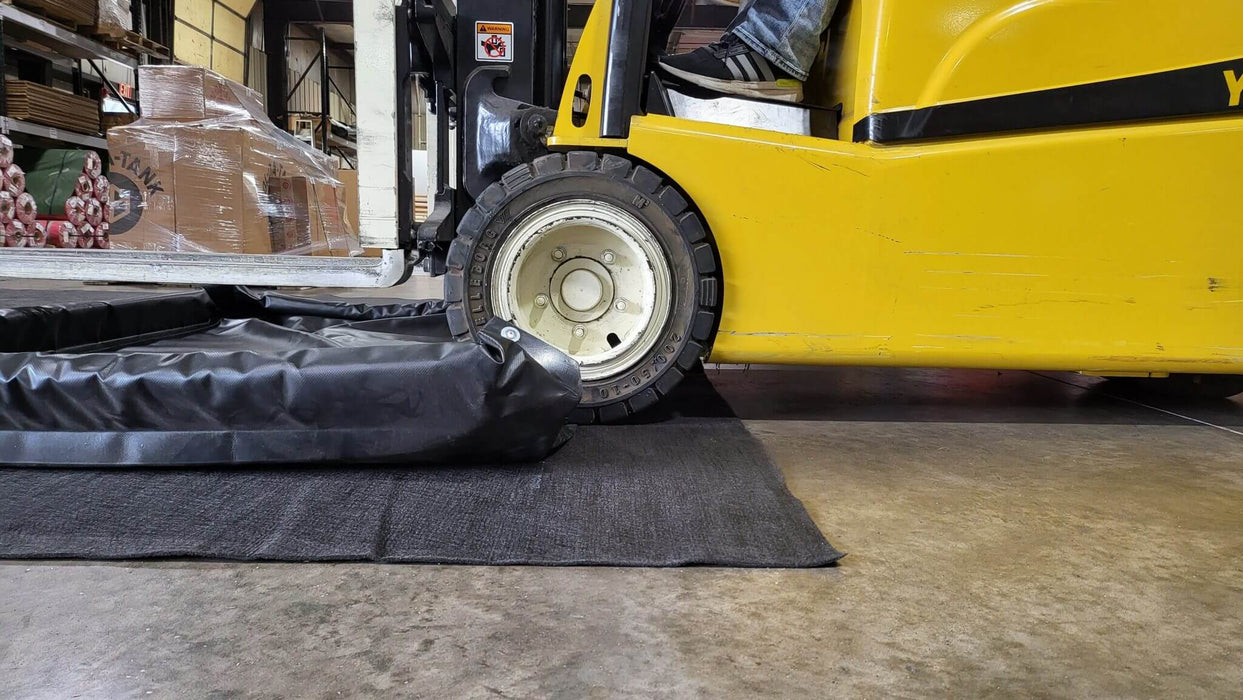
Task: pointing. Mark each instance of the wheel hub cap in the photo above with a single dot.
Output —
(588, 278)
(582, 290)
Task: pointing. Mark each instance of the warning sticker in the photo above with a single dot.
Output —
(494, 42)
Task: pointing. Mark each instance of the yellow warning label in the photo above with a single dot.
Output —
(494, 42)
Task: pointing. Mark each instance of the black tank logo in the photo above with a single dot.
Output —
(124, 203)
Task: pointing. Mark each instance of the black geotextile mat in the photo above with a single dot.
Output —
(685, 492)
(685, 484)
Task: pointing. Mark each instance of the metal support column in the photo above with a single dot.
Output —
(275, 28)
(405, 134)
(324, 91)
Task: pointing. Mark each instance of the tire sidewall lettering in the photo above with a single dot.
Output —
(537, 194)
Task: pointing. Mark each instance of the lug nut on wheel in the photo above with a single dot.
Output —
(541, 301)
(579, 331)
(608, 257)
(558, 254)
(620, 306)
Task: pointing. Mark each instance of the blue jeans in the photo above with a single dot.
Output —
(786, 32)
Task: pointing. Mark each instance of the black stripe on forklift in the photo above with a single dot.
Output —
(1202, 90)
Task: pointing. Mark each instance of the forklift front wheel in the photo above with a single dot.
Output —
(599, 257)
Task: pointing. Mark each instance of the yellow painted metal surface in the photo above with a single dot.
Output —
(589, 61)
(1110, 249)
(1105, 249)
(917, 53)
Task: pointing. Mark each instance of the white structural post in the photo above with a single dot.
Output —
(375, 51)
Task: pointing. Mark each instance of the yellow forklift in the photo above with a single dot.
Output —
(1006, 184)
(1041, 185)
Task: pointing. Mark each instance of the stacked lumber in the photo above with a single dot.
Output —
(73, 13)
(51, 107)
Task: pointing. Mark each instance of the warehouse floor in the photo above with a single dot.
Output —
(1008, 533)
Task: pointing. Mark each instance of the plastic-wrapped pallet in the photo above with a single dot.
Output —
(205, 171)
(116, 13)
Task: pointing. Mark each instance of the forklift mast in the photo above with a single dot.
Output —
(491, 73)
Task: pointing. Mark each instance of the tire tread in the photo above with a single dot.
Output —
(689, 225)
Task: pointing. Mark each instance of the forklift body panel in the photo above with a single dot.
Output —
(1075, 216)
(1093, 250)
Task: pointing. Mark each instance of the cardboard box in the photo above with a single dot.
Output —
(210, 189)
(225, 190)
(143, 212)
(287, 210)
(292, 216)
(191, 93)
(349, 198)
(339, 237)
(206, 172)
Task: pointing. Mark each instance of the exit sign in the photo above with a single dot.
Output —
(124, 91)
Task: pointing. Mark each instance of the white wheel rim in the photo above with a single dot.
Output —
(588, 278)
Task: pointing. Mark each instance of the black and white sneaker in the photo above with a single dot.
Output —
(730, 66)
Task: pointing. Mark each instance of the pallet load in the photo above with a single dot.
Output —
(115, 27)
(116, 14)
(74, 13)
(205, 171)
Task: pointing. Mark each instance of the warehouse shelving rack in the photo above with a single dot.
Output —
(45, 39)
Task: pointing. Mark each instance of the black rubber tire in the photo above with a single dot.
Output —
(638, 190)
(1186, 387)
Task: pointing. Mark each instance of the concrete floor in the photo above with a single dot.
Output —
(1008, 535)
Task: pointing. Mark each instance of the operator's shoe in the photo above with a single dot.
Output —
(731, 66)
